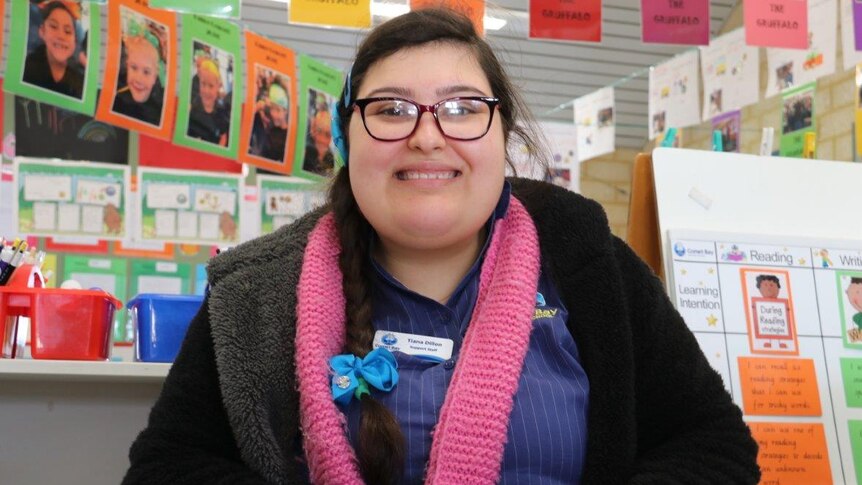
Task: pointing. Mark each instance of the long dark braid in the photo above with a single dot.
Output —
(381, 444)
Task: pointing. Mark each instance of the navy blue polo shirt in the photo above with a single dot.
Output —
(547, 433)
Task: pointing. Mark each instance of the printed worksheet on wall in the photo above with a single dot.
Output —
(780, 319)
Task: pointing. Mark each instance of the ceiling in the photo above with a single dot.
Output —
(550, 74)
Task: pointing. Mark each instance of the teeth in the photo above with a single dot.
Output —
(426, 175)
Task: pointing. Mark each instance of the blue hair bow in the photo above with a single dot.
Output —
(351, 375)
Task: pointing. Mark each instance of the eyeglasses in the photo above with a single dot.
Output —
(462, 118)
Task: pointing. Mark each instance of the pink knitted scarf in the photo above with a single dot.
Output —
(469, 438)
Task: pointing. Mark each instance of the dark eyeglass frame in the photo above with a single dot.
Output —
(492, 103)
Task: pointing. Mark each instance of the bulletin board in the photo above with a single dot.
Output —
(761, 256)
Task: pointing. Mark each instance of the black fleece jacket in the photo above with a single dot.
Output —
(658, 413)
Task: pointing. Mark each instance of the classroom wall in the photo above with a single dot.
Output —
(607, 179)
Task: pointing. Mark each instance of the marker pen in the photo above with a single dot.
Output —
(7, 253)
(6, 273)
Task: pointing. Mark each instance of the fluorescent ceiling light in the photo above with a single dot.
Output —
(492, 23)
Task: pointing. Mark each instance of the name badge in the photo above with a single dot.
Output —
(432, 348)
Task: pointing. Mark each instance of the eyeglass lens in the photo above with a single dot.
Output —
(395, 119)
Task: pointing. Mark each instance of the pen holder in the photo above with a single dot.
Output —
(160, 323)
(64, 324)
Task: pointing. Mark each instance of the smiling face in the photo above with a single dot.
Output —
(210, 85)
(142, 68)
(426, 191)
(768, 289)
(321, 131)
(58, 33)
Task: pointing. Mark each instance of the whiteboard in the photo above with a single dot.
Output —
(751, 194)
(776, 217)
(791, 358)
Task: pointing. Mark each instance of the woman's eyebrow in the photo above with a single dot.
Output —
(396, 90)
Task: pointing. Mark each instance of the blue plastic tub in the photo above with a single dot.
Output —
(160, 324)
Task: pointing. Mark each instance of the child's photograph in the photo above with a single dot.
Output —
(605, 117)
(784, 76)
(318, 156)
(211, 96)
(658, 121)
(56, 47)
(715, 105)
(798, 112)
(729, 129)
(268, 138)
(140, 91)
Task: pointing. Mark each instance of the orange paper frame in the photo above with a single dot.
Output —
(105, 111)
(750, 317)
(264, 55)
(472, 9)
(167, 251)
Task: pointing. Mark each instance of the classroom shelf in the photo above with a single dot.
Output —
(74, 370)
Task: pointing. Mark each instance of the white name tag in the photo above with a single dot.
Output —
(432, 348)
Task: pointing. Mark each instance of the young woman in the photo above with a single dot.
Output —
(50, 64)
(435, 322)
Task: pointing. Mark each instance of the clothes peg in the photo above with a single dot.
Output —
(717, 141)
(669, 137)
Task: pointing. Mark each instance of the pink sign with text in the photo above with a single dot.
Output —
(777, 23)
(675, 21)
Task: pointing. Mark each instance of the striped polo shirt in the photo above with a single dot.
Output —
(547, 434)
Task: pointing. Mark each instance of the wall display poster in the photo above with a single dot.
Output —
(851, 35)
(675, 22)
(85, 245)
(268, 137)
(319, 88)
(162, 277)
(780, 319)
(140, 69)
(797, 119)
(74, 136)
(108, 274)
(793, 67)
(283, 200)
(2, 26)
(731, 74)
(192, 207)
(157, 153)
(219, 8)
(673, 94)
(857, 23)
(777, 23)
(49, 46)
(472, 9)
(200, 279)
(858, 111)
(143, 249)
(564, 20)
(563, 168)
(730, 126)
(71, 198)
(355, 14)
(595, 124)
(208, 113)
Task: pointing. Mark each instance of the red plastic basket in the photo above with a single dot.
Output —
(64, 324)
